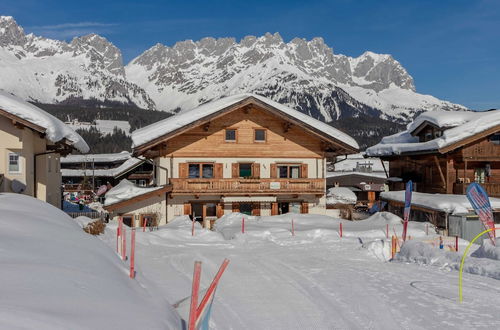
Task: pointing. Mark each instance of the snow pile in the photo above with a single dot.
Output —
(340, 195)
(168, 125)
(125, 190)
(426, 254)
(55, 276)
(452, 204)
(488, 250)
(55, 129)
(473, 123)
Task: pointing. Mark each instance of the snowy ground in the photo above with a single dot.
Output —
(315, 280)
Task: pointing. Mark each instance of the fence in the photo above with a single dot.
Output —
(91, 215)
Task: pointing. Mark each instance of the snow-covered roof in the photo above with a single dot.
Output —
(96, 158)
(168, 125)
(126, 190)
(453, 204)
(349, 163)
(444, 119)
(472, 123)
(110, 172)
(367, 174)
(340, 195)
(55, 129)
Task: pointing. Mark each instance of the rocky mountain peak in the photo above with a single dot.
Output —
(11, 34)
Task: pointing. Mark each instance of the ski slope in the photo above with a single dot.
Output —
(315, 279)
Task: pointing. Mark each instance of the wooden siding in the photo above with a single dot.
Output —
(482, 150)
(282, 140)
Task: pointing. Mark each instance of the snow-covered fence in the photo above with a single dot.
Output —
(91, 215)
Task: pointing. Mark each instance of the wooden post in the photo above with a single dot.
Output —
(456, 243)
(393, 246)
(194, 295)
(464, 185)
(144, 224)
(124, 243)
(132, 253)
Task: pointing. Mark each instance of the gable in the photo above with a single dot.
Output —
(158, 133)
(283, 139)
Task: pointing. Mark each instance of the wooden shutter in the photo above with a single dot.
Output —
(220, 210)
(235, 170)
(256, 170)
(236, 207)
(187, 208)
(303, 170)
(256, 209)
(218, 170)
(183, 170)
(274, 171)
(274, 208)
(304, 207)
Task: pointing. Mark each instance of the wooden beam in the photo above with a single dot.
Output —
(470, 139)
(440, 172)
(20, 122)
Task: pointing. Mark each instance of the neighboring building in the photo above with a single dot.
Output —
(366, 177)
(103, 126)
(443, 152)
(31, 143)
(89, 172)
(242, 153)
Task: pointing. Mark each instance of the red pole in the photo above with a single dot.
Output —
(124, 243)
(143, 225)
(293, 229)
(387, 230)
(456, 243)
(340, 230)
(192, 228)
(132, 253)
(243, 225)
(194, 295)
(118, 234)
(211, 289)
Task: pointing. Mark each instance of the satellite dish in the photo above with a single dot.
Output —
(17, 186)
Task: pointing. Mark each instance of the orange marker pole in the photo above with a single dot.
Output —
(387, 231)
(456, 243)
(192, 227)
(118, 230)
(243, 225)
(124, 243)
(340, 230)
(194, 296)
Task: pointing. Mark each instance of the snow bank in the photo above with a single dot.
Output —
(55, 276)
(452, 204)
(153, 131)
(425, 254)
(472, 124)
(125, 190)
(488, 250)
(340, 195)
(56, 130)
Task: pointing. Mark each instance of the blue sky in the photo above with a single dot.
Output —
(451, 48)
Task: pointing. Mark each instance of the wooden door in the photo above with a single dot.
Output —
(274, 208)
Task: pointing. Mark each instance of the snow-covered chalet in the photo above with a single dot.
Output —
(243, 153)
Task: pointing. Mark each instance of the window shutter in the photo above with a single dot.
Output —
(183, 170)
(274, 208)
(235, 170)
(218, 170)
(274, 171)
(304, 207)
(256, 170)
(256, 209)
(187, 208)
(303, 170)
(236, 207)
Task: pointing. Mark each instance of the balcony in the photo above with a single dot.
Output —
(493, 189)
(247, 186)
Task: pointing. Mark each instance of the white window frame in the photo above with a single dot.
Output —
(18, 162)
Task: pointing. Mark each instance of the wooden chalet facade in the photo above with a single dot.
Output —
(240, 154)
(450, 167)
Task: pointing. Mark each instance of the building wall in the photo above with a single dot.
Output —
(153, 205)
(27, 143)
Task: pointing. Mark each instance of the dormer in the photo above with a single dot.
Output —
(427, 131)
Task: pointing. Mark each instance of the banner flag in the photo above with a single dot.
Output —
(480, 201)
(406, 216)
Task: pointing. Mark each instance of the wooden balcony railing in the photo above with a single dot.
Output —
(493, 189)
(247, 186)
(481, 151)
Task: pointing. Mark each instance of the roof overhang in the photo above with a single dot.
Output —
(139, 198)
(250, 100)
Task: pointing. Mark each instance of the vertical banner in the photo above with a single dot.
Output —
(406, 216)
(480, 201)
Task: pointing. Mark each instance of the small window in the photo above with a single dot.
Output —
(289, 171)
(205, 171)
(260, 135)
(245, 170)
(14, 165)
(208, 171)
(495, 139)
(230, 135)
(142, 183)
(194, 171)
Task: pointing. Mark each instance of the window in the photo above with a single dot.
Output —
(14, 164)
(480, 175)
(142, 183)
(495, 139)
(246, 208)
(289, 171)
(230, 135)
(245, 170)
(205, 171)
(260, 135)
